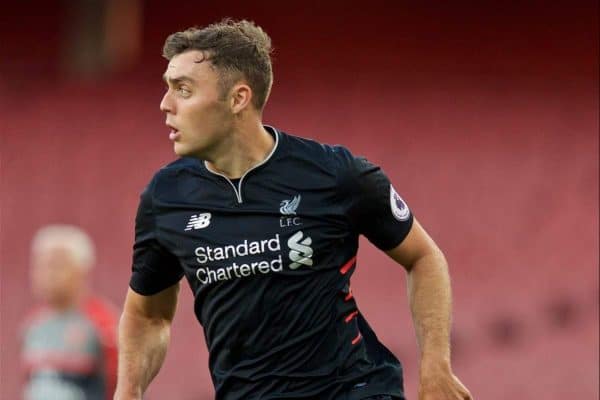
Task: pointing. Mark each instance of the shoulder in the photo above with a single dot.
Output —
(168, 176)
(100, 307)
(103, 315)
(36, 316)
(334, 161)
(333, 156)
(177, 168)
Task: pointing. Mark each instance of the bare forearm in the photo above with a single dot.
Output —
(143, 345)
(430, 301)
(431, 305)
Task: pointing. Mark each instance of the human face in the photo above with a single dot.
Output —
(56, 278)
(196, 113)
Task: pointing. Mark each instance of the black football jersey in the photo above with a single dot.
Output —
(269, 259)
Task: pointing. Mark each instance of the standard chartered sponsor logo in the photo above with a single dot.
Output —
(206, 276)
(300, 251)
(205, 254)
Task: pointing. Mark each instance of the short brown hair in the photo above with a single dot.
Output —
(237, 49)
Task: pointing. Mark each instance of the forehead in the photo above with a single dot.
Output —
(52, 250)
(53, 257)
(193, 64)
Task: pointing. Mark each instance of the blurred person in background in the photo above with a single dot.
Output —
(265, 227)
(69, 341)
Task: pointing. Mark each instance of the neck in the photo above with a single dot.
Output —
(67, 301)
(248, 144)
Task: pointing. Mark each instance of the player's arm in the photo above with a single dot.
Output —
(430, 302)
(144, 332)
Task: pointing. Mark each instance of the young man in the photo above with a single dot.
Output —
(265, 226)
(69, 342)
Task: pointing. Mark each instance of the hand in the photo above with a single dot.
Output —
(441, 384)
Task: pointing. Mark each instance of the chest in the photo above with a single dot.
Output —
(279, 229)
(61, 342)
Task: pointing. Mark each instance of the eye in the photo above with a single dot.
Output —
(184, 91)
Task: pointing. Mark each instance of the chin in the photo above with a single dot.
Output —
(187, 151)
(181, 150)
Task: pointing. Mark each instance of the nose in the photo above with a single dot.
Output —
(166, 104)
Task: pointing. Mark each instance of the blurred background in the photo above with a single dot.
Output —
(484, 115)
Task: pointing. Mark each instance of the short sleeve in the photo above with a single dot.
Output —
(154, 268)
(373, 206)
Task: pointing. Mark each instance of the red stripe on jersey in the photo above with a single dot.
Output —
(356, 339)
(350, 316)
(346, 267)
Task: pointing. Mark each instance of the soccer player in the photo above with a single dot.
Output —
(264, 226)
(69, 342)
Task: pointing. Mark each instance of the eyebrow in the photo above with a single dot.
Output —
(177, 79)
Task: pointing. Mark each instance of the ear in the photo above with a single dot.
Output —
(241, 97)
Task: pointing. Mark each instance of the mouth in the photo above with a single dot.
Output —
(174, 133)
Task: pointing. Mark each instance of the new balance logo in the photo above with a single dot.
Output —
(300, 251)
(198, 221)
(288, 207)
